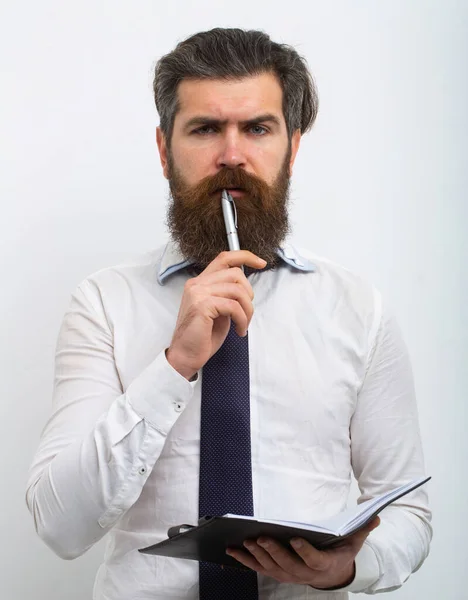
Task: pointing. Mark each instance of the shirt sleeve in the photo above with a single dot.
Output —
(99, 445)
(386, 452)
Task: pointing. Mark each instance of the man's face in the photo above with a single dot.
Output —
(229, 135)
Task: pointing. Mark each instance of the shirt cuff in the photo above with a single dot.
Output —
(160, 394)
(367, 572)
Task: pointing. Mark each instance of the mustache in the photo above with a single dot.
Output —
(227, 178)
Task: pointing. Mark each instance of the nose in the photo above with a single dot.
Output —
(231, 154)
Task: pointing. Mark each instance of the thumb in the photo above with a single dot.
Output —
(373, 524)
(360, 537)
(366, 530)
(370, 526)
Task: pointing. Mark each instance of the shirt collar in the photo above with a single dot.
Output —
(173, 261)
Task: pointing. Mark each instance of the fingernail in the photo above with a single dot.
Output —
(296, 543)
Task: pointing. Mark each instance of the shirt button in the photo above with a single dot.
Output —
(142, 470)
(178, 406)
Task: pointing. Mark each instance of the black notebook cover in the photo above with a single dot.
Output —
(209, 540)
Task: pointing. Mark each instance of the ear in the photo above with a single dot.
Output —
(295, 143)
(162, 147)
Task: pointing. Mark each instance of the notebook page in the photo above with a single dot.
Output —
(297, 524)
(366, 509)
(349, 519)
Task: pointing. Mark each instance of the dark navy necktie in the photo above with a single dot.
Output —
(225, 458)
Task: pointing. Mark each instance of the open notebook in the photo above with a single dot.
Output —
(209, 540)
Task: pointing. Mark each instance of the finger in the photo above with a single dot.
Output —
(226, 307)
(245, 558)
(350, 546)
(318, 560)
(286, 560)
(234, 292)
(261, 555)
(360, 536)
(233, 275)
(336, 560)
(235, 258)
(357, 540)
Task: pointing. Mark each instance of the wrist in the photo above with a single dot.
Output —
(188, 373)
(346, 579)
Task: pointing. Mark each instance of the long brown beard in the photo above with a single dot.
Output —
(195, 219)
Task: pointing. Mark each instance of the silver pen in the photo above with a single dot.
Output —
(230, 221)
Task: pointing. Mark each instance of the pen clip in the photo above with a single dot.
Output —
(231, 200)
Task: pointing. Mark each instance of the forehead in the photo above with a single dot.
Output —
(231, 100)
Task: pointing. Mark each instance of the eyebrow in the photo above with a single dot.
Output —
(209, 121)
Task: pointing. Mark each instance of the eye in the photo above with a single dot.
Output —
(263, 130)
(202, 130)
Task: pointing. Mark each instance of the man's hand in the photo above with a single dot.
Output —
(220, 293)
(321, 569)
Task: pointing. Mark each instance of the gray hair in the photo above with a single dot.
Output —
(234, 54)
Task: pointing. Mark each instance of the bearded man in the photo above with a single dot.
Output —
(174, 399)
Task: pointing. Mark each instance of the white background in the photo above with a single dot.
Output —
(378, 187)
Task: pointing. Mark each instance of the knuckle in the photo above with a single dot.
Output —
(190, 283)
(199, 305)
(193, 292)
(243, 293)
(322, 563)
(247, 306)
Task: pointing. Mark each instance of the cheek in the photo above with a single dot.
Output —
(266, 163)
(193, 166)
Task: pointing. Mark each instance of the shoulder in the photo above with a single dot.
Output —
(336, 274)
(117, 280)
(344, 289)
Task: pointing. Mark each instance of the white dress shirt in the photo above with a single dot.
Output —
(331, 392)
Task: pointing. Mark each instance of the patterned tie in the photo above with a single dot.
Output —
(225, 458)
